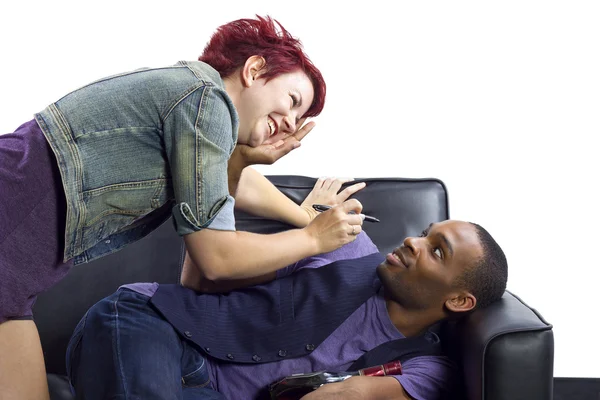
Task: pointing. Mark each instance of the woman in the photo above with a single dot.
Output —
(108, 163)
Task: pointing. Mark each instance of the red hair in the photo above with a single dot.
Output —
(233, 43)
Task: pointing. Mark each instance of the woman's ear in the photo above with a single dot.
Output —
(461, 302)
(252, 70)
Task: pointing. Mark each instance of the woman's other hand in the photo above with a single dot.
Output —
(273, 148)
(327, 191)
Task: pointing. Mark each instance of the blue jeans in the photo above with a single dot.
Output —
(123, 349)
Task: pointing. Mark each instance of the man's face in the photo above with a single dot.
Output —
(420, 273)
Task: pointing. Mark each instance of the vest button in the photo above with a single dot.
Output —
(310, 347)
(207, 349)
(230, 356)
(282, 353)
(256, 358)
(187, 334)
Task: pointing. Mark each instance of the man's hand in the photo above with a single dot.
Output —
(326, 191)
(361, 388)
(273, 148)
(346, 390)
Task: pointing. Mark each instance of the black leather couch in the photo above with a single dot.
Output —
(505, 351)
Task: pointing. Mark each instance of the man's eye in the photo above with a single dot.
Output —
(438, 252)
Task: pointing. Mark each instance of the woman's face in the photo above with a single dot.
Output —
(268, 108)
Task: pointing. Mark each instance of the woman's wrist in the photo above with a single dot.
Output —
(309, 214)
(235, 166)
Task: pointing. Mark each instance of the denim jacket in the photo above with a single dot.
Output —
(136, 147)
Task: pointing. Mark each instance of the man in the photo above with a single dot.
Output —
(148, 341)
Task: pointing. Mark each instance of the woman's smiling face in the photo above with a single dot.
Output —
(266, 108)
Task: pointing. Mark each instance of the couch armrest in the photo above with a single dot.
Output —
(506, 351)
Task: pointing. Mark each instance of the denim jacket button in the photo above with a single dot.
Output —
(310, 347)
(187, 334)
(282, 353)
(230, 356)
(256, 358)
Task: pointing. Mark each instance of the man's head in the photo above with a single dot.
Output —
(272, 82)
(453, 267)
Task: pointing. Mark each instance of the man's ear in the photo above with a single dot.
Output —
(252, 70)
(461, 302)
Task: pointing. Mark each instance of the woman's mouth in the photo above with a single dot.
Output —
(272, 126)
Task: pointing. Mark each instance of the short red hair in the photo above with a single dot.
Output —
(233, 43)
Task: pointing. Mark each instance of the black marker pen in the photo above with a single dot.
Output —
(321, 208)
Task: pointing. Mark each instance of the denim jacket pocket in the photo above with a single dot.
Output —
(122, 204)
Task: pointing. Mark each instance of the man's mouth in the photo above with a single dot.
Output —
(396, 258)
(272, 126)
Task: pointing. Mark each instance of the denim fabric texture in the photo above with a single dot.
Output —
(137, 147)
(127, 324)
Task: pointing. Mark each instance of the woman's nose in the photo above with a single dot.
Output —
(290, 124)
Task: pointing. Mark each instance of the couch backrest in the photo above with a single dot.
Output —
(404, 206)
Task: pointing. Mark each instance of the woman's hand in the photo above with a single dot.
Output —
(273, 148)
(267, 153)
(326, 191)
(336, 227)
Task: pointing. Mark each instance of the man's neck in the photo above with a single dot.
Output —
(411, 322)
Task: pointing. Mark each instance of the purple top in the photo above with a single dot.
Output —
(425, 377)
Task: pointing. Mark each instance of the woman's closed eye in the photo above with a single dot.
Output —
(295, 100)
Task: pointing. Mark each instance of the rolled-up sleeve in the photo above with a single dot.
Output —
(361, 247)
(428, 377)
(200, 135)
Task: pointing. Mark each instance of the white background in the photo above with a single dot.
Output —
(500, 100)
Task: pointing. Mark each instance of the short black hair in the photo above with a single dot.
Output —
(486, 279)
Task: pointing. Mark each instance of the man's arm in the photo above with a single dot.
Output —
(361, 388)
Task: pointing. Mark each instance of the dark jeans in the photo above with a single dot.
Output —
(123, 349)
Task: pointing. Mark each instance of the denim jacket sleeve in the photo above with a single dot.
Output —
(200, 135)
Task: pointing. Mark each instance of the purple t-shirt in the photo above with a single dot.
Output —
(426, 377)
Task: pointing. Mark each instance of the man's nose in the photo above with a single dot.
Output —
(412, 244)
